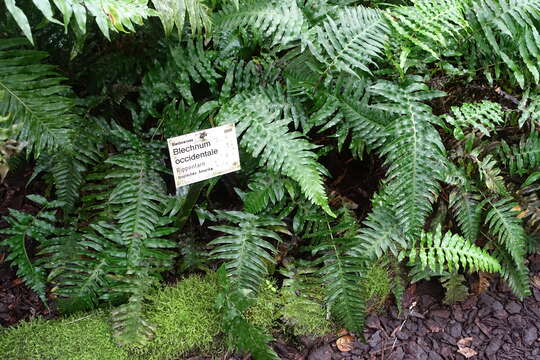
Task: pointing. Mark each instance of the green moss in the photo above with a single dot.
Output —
(304, 316)
(186, 318)
(78, 337)
(264, 312)
(376, 287)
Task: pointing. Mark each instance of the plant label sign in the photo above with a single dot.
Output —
(204, 154)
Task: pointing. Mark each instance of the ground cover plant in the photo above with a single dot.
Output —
(90, 91)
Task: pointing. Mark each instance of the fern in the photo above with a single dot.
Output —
(415, 154)
(35, 98)
(282, 21)
(22, 228)
(482, 116)
(502, 222)
(265, 189)
(467, 209)
(267, 138)
(232, 303)
(429, 25)
(353, 42)
(245, 248)
(455, 290)
(503, 21)
(515, 274)
(174, 12)
(341, 272)
(115, 15)
(437, 251)
(523, 157)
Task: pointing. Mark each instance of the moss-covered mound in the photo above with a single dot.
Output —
(184, 314)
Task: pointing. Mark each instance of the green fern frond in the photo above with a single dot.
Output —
(174, 13)
(523, 157)
(437, 251)
(268, 138)
(341, 272)
(414, 154)
(482, 116)
(530, 109)
(467, 209)
(266, 188)
(23, 227)
(35, 98)
(354, 41)
(282, 21)
(502, 222)
(344, 103)
(245, 249)
(115, 15)
(380, 232)
(489, 172)
(515, 274)
(503, 25)
(456, 291)
(78, 266)
(430, 25)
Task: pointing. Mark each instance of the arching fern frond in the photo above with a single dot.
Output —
(266, 188)
(515, 274)
(523, 157)
(415, 155)
(267, 137)
(21, 228)
(467, 209)
(115, 15)
(437, 251)
(341, 272)
(354, 41)
(174, 13)
(244, 247)
(496, 23)
(282, 21)
(428, 24)
(482, 116)
(34, 96)
(502, 222)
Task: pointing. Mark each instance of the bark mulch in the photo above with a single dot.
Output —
(491, 325)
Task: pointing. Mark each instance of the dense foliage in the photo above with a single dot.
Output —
(93, 89)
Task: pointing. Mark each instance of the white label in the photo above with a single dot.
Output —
(204, 154)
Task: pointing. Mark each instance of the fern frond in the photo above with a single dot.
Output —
(467, 209)
(354, 41)
(515, 274)
(482, 116)
(266, 188)
(282, 21)
(115, 15)
(428, 24)
(502, 222)
(23, 227)
(245, 248)
(437, 251)
(380, 232)
(268, 138)
(489, 172)
(414, 154)
(174, 13)
(456, 291)
(523, 157)
(503, 25)
(344, 103)
(35, 98)
(341, 272)
(78, 267)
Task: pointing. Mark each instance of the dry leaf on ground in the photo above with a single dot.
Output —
(345, 343)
